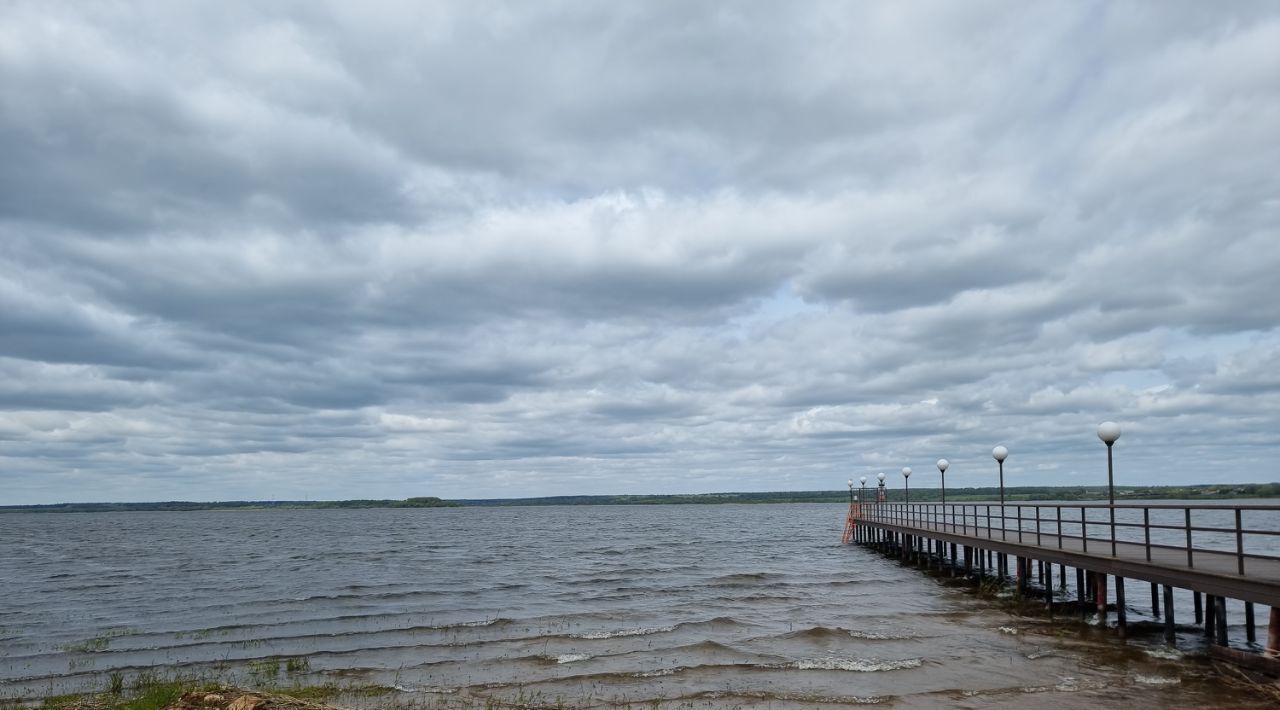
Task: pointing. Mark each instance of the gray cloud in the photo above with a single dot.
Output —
(475, 250)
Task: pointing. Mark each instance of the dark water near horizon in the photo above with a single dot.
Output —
(688, 606)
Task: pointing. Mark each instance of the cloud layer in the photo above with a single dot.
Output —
(483, 250)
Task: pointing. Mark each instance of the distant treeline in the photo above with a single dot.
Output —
(923, 495)
(420, 502)
(1205, 492)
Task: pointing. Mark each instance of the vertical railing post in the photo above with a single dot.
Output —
(1059, 526)
(1037, 524)
(1239, 544)
(1113, 523)
(1188, 525)
(1084, 529)
(1019, 513)
(1146, 530)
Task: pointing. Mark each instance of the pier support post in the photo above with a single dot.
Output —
(1169, 632)
(1250, 633)
(1062, 576)
(1048, 591)
(1273, 633)
(1100, 596)
(1210, 616)
(1155, 600)
(1222, 619)
(1195, 597)
(1121, 620)
(1080, 594)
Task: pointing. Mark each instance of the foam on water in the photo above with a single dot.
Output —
(860, 665)
(623, 632)
(1164, 652)
(1155, 680)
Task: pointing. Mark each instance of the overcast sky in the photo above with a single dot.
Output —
(335, 250)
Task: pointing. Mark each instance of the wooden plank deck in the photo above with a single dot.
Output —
(1210, 572)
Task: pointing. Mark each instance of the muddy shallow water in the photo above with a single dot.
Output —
(693, 606)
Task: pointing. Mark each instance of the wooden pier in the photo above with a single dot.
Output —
(1216, 552)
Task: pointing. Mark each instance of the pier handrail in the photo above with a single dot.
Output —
(1061, 524)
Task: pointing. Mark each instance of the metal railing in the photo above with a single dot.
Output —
(1174, 533)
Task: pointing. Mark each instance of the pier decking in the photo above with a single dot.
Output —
(1220, 551)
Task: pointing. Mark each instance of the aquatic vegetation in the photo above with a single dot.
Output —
(264, 672)
(87, 646)
(152, 691)
(99, 643)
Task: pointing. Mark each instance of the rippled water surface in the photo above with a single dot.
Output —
(689, 606)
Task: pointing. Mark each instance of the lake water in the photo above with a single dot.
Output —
(688, 606)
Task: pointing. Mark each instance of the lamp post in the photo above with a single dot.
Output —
(906, 482)
(1000, 453)
(1109, 432)
(942, 468)
(943, 465)
(850, 493)
(880, 495)
(862, 492)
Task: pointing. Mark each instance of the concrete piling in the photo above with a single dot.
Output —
(1210, 616)
(1100, 596)
(1273, 633)
(1121, 618)
(1080, 591)
(1221, 613)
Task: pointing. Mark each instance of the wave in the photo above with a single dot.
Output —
(1164, 653)
(837, 632)
(659, 673)
(201, 641)
(806, 698)
(745, 579)
(379, 596)
(717, 622)
(498, 621)
(623, 632)
(860, 665)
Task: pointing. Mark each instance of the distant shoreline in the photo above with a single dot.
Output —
(1227, 491)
